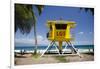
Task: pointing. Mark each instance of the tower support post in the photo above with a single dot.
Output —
(74, 49)
(60, 47)
(67, 43)
(51, 44)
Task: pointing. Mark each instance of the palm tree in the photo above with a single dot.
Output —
(87, 9)
(25, 19)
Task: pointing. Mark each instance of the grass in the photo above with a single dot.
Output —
(36, 55)
(61, 59)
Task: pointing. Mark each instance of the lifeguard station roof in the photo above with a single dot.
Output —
(50, 22)
(60, 21)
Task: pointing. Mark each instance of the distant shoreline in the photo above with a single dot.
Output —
(67, 50)
(41, 49)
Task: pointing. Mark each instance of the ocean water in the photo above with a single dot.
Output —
(29, 48)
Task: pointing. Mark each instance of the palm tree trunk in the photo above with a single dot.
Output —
(35, 36)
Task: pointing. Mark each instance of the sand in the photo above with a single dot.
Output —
(28, 59)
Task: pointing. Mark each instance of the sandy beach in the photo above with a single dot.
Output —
(29, 59)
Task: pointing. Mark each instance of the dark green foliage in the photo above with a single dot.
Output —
(87, 9)
(25, 18)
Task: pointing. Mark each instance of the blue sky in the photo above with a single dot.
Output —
(84, 31)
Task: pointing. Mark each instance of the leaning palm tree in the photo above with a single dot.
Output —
(88, 9)
(25, 19)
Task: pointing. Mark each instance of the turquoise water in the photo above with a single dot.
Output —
(52, 47)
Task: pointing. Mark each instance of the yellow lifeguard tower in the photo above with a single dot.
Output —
(60, 31)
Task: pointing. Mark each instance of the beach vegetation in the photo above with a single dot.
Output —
(34, 55)
(61, 59)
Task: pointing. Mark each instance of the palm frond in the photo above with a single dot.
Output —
(24, 18)
(40, 8)
(90, 9)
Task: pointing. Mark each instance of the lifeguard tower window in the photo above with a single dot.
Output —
(50, 27)
(61, 26)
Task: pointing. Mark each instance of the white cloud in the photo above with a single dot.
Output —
(27, 41)
(24, 42)
(81, 33)
(83, 42)
(41, 40)
(39, 37)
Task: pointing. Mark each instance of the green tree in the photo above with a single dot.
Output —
(88, 9)
(25, 19)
